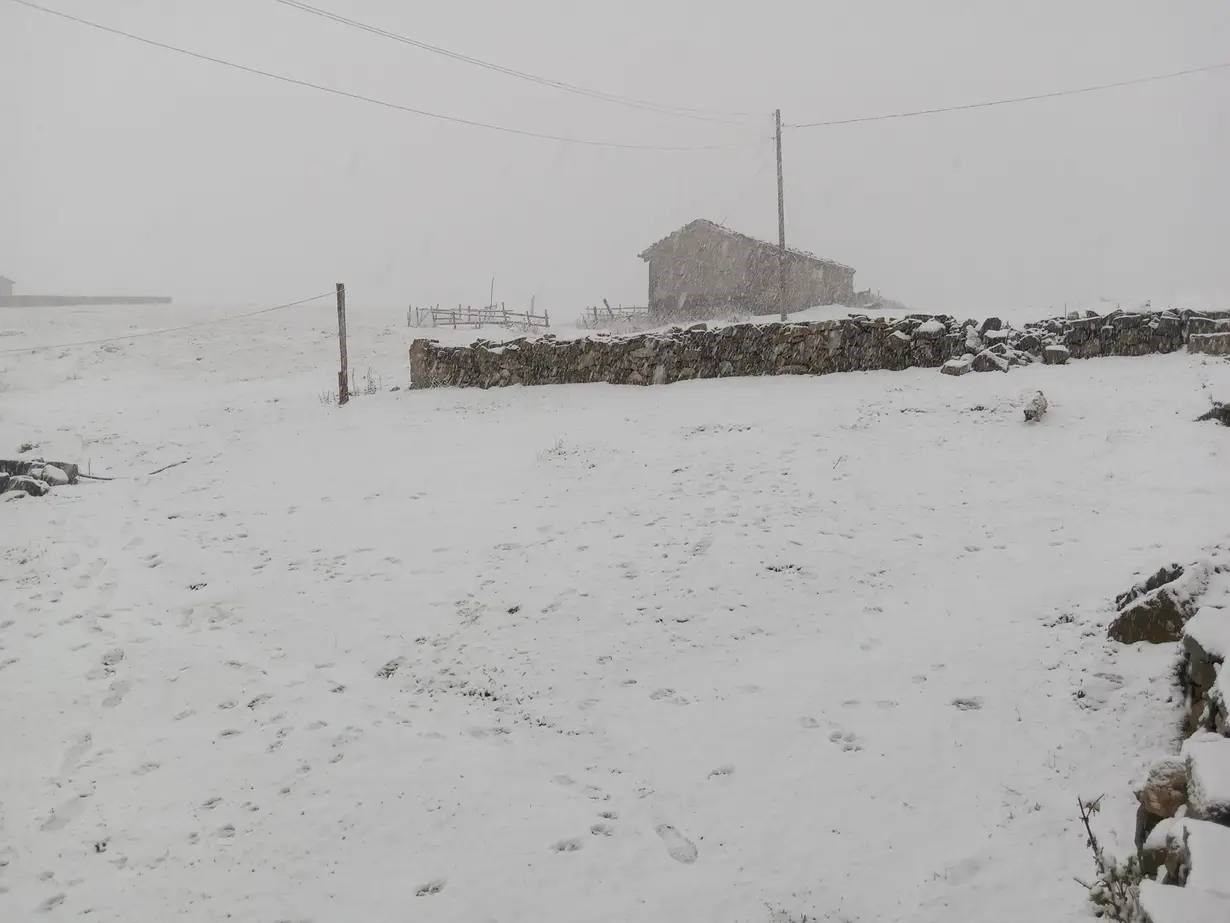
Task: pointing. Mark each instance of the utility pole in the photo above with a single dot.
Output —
(491, 296)
(343, 387)
(781, 221)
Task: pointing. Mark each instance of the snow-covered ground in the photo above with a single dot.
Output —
(741, 650)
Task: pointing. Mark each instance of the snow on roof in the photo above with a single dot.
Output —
(705, 224)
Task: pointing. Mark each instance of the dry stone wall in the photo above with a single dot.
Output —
(856, 343)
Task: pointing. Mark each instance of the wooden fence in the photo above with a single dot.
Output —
(489, 316)
(594, 316)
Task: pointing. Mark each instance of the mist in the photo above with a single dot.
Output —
(129, 168)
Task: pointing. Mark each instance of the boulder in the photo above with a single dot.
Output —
(957, 366)
(1163, 576)
(54, 476)
(1056, 354)
(991, 323)
(987, 361)
(1157, 618)
(1029, 343)
(30, 485)
(1165, 788)
(1158, 615)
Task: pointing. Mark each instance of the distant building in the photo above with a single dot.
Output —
(6, 286)
(704, 269)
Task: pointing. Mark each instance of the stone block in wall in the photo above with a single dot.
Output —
(1200, 324)
(1056, 354)
(958, 366)
(1212, 344)
(1206, 646)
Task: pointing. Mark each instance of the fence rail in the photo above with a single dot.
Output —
(489, 316)
(598, 314)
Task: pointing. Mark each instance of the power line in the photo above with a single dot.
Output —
(663, 108)
(1014, 99)
(359, 96)
(164, 330)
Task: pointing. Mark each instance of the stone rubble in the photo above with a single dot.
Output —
(855, 343)
(1183, 819)
(33, 478)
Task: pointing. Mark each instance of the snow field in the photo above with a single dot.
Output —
(727, 650)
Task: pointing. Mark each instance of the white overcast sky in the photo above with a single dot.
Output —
(126, 168)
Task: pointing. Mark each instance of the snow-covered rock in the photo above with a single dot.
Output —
(1156, 611)
(1036, 408)
(1055, 354)
(958, 366)
(54, 476)
(1206, 643)
(1167, 904)
(1165, 788)
(1208, 770)
(30, 485)
(987, 361)
(1195, 853)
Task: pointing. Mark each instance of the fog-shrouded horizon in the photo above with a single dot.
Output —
(132, 169)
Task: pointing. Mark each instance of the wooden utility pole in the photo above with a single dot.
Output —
(343, 386)
(781, 220)
(491, 296)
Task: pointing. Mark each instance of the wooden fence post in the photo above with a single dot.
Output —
(343, 388)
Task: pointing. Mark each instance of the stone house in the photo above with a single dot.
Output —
(704, 269)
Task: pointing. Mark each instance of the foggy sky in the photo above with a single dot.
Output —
(125, 168)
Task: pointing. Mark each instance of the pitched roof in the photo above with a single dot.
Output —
(713, 226)
(6, 279)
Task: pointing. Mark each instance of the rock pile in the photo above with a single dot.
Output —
(33, 478)
(1183, 819)
(856, 343)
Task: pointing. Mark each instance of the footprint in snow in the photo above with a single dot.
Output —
(52, 902)
(570, 845)
(119, 689)
(602, 830)
(62, 816)
(75, 753)
(968, 703)
(848, 741)
(681, 849)
(435, 886)
(668, 695)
